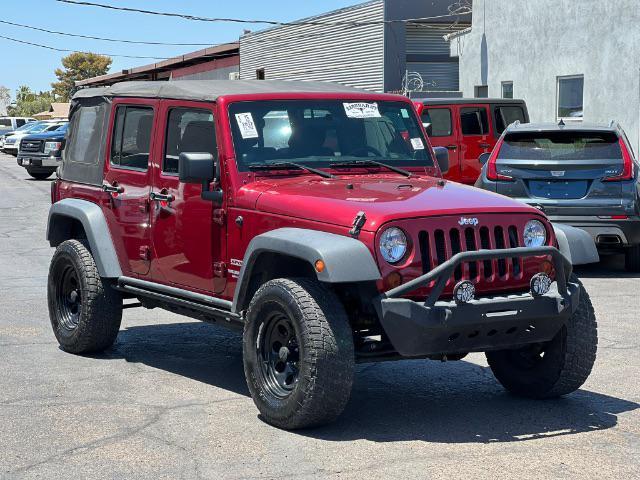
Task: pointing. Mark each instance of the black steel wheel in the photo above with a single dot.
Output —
(554, 368)
(85, 312)
(298, 353)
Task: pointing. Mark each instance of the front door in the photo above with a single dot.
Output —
(475, 140)
(188, 235)
(442, 133)
(128, 179)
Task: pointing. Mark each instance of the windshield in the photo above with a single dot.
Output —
(27, 127)
(320, 132)
(577, 145)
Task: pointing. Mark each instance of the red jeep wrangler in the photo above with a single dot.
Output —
(314, 218)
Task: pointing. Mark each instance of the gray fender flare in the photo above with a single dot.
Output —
(576, 244)
(95, 226)
(346, 259)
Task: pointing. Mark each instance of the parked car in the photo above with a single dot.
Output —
(12, 141)
(468, 127)
(313, 217)
(578, 174)
(8, 124)
(25, 127)
(40, 153)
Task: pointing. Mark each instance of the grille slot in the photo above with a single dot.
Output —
(486, 245)
(513, 243)
(454, 237)
(441, 249)
(425, 253)
(470, 241)
(499, 239)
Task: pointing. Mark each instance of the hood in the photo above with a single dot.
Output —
(383, 198)
(45, 136)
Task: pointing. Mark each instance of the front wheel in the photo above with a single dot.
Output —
(298, 353)
(39, 175)
(554, 368)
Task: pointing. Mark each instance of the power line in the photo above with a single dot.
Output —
(462, 10)
(48, 47)
(120, 40)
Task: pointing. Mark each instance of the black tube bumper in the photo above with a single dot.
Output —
(490, 323)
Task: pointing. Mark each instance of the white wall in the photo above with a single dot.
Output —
(533, 42)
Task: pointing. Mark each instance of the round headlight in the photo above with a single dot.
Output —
(393, 244)
(535, 235)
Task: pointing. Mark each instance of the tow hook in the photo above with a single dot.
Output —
(358, 223)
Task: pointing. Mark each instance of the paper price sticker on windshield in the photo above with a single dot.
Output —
(247, 125)
(361, 110)
(417, 144)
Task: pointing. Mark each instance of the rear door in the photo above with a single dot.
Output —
(188, 232)
(443, 133)
(475, 139)
(563, 170)
(128, 179)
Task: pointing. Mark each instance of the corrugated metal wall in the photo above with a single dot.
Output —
(438, 70)
(351, 55)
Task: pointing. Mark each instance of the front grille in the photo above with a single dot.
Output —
(30, 146)
(440, 245)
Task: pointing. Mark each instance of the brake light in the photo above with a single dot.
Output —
(492, 170)
(627, 166)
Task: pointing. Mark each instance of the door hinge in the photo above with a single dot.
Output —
(219, 216)
(220, 269)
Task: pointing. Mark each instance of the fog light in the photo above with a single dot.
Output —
(540, 284)
(464, 292)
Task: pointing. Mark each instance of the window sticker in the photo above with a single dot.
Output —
(361, 110)
(247, 125)
(417, 144)
(405, 113)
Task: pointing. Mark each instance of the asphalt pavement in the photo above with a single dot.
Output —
(169, 400)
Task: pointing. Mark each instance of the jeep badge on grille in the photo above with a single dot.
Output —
(468, 221)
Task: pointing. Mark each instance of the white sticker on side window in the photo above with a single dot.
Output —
(417, 144)
(361, 110)
(247, 125)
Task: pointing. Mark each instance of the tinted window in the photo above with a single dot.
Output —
(319, 132)
(474, 121)
(505, 116)
(132, 137)
(20, 122)
(440, 120)
(561, 146)
(188, 131)
(5, 122)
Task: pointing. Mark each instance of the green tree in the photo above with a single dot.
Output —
(5, 99)
(78, 66)
(29, 103)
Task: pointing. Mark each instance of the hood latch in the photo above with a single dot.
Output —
(358, 223)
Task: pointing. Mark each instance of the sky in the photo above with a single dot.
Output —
(34, 66)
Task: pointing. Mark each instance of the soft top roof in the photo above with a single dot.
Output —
(463, 101)
(209, 90)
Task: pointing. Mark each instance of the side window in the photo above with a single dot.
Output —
(440, 121)
(505, 116)
(473, 121)
(189, 130)
(132, 137)
(20, 122)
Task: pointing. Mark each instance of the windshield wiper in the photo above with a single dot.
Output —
(285, 165)
(364, 163)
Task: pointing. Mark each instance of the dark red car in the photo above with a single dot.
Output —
(314, 218)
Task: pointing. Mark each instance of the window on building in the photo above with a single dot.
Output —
(481, 91)
(439, 120)
(474, 121)
(570, 97)
(507, 89)
(188, 130)
(260, 74)
(505, 115)
(132, 137)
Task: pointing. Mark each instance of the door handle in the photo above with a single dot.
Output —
(484, 145)
(114, 188)
(163, 196)
(451, 147)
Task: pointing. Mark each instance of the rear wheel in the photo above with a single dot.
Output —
(39, 175)
(632, 259)
(298, 353)
(85, 312)
(554, 368)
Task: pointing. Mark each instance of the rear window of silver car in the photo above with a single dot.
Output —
(577, 145)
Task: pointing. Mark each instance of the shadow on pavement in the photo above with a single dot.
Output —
(454, 402)
(610, 266)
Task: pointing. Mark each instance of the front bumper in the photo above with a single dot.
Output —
(47, 162)
(492, 323)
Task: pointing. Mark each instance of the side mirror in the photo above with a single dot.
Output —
(428, 127)
(200, 168)
(442, 157)
(483, 158)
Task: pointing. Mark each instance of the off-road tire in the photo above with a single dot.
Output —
(98, 316)
(39, 175)
(567, 361)
(326, 353)
(632, 259)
